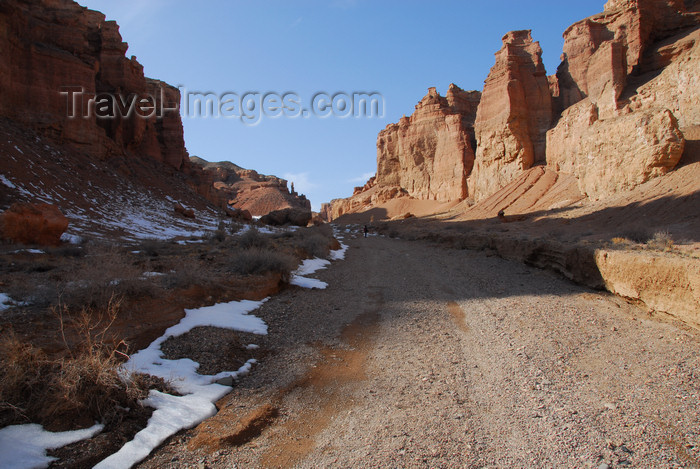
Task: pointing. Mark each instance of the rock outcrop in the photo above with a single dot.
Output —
(229, 186)
(616, 154)
(56, 56)
(287, 216)
(430, 153)
(30, 224)
(602, 50)
(629, 98)
(513, 116)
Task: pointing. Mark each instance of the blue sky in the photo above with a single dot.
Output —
(395, 48)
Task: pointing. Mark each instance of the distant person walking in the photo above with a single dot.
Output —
(366, 231)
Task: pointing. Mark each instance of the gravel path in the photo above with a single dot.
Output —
(421, 356)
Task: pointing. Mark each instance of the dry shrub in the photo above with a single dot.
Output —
(185, 272)
(637, 235)
(153, 247)
(105, 273)
(661, 240)
(314, 241)
(257, 261)
(77, 389)
(252, 238)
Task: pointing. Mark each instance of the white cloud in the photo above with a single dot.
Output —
(301, 181)
(361, 178)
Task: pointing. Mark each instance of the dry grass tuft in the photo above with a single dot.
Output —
(257, 261)
(76, 389)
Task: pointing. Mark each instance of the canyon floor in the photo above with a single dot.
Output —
(421, 356)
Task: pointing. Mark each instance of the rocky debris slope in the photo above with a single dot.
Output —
(230, 186)
(621, 110)
(128, 200)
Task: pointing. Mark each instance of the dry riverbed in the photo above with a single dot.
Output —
(421, 356)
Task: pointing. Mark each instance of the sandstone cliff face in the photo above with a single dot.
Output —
(616, 154)
(513, 116)
(53, 46)
(229, 185)
(601, 51)
(632, 97)
(622, 108)
(430, 154)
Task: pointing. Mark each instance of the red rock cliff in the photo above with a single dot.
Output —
(430, 153)
(513, 116)
(56, 46)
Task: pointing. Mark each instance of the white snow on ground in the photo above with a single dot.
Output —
(7, 182)
(339, 254)
(309, 266)
(24, 446)
(5, 302)
(30, 251)
(174, 413)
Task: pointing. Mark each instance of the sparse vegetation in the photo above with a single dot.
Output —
(253, 238)
(639, 236)
(661, 240)
(256, 261)
(67, 375)
(79, 387)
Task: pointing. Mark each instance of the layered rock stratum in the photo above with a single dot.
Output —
(622, 109)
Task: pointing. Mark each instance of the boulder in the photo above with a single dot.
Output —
(238, 214)
(185, 212)
(287, 216)
(41, 224)
(513, 116)
(616, 154)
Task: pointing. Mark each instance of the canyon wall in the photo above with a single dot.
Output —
(230, 186)
(617, 113)
(55, 57)
(430, 153)
(514, 115)
(64, 74)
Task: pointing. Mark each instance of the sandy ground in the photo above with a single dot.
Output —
(421, 356)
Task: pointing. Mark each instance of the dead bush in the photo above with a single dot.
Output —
(253, 238)
(76, 389)
(314, 241)
(256, 261)
(661, 240)
(637, 235)
(313, 245)
(106, 272)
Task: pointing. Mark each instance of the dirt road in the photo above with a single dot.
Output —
(421, 356)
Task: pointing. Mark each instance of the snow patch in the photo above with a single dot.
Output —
(309, 266)
(174, 413)
(7, 182)
(5, 302)
(339, 254)
(24, 446)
